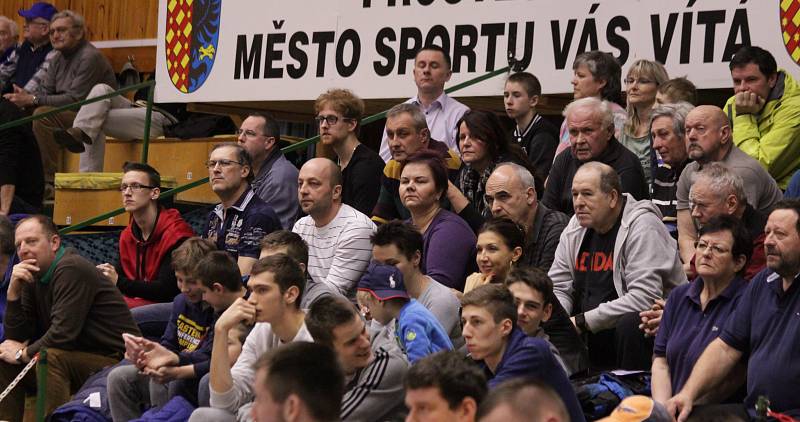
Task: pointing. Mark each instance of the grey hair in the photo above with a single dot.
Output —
(413, 110)
(524, 175)
(675, 111)
(609, 179)
(12, 26)
(600, 108)
(721, 181)
(78, 22)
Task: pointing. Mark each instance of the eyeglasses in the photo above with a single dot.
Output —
(701, 246)
(32, 23)
(222, 163)
(330, 119)
(248, 133)
(134, 187)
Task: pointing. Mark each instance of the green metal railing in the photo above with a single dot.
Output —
(150, 85)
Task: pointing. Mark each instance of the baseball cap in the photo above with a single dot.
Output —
(638, 409)
(384, 282)
(39, 10)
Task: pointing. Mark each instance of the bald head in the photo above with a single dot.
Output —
(319, 189)
(510, 193)
(708, 134)
(324, 168)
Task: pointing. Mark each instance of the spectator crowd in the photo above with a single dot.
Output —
(460, 272)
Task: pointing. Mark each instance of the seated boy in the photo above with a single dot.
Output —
(173, 366)
(276, 285)
(494, 340)
(290, 243)
(533, 296)
(382, 292)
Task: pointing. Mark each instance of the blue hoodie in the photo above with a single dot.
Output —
(419, 332)
(526, 356)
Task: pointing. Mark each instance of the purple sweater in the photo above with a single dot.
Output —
(449, 250)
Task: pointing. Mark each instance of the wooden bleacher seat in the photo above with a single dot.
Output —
(182, 159)
(80, 196)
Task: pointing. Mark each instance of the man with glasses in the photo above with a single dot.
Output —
(339, 114)
(27, 64)
(144, 273)
(71, 74)
(275, 177)
(239, 222)
(614, 260)
(708, 139)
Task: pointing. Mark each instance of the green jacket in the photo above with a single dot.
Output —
(773, 136)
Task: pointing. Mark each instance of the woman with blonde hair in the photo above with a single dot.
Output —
(641, 86)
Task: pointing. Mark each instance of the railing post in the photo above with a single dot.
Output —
(41, 385)
(147, 117)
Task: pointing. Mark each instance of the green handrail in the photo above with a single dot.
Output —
(77, 104)
(299, 145)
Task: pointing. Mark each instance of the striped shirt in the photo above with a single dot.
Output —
(339, 252)
(375, 392)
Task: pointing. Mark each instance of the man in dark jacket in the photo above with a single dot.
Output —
(59, 301)
(493, 338)
(590, 122)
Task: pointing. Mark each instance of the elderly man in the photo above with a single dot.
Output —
(59, 301)
(761, 330)
(275, 178)
(407, 132)
(431, 71)
(239, 222)
(27, 64)
(590, 123)
(9, 36)
(669, 140)
(70, 76)
(765, 110)
(615, 258)
(718, 191)
(708, 136)
(339, 248)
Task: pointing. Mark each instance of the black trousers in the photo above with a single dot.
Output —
(622, 347)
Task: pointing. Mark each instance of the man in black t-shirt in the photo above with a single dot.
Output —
(615, 258)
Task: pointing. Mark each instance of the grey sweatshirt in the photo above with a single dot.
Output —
(646, 264)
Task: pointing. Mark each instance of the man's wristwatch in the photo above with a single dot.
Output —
(580, 322)
(18, 355)
(35, 101)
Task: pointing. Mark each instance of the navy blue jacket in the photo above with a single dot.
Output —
(527, 356)
(190, 333)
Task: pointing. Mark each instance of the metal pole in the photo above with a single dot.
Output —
(147, 116)
(41, 385)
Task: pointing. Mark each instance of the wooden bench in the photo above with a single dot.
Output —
(183, 159)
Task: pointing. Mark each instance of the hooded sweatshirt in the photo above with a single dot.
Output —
(646, 264)
(147, 274)
(772, 136)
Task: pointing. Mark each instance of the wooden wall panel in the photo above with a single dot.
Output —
(105, 19)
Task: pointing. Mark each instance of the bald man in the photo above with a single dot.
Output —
(337, 234)
(709, 139)
(615, 258)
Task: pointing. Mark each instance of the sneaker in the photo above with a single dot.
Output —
(72, 139)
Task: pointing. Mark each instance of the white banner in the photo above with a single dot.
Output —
(254, 50)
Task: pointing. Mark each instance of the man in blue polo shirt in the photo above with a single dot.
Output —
(241, 219)
(763, 328)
